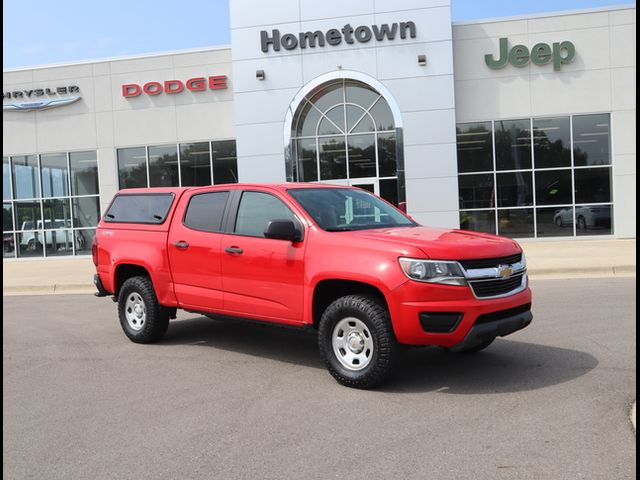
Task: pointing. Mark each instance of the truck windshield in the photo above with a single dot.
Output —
(344, 209)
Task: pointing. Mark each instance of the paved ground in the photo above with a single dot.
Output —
(232, 400)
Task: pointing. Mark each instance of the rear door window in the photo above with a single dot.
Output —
(205, 211)
(139, 208)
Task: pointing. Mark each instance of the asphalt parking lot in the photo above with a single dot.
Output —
(228, 400)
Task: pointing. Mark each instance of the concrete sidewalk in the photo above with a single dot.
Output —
(577, 258)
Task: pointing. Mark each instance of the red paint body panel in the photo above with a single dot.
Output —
(275, 280)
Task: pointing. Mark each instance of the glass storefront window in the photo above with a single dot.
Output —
(552, 142)
(84, 173)
(195, 164)
(55, 175)
(30, 244)
(26, 183)
(6, 179)
(333, 158)
(362, 156)
(513, 144)
(475, 147)
(307, 160)
(57, 214)
(132, 167)
(387, 165)
(591, 139)
(163, 166)
(7, 217)
(225, 162)
(567, 181)
(86, 211)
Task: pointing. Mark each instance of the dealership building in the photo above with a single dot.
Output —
(522, 126)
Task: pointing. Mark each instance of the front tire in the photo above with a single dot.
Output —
(142, 318)
(356, 341)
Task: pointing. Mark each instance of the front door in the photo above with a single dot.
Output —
(262, 277)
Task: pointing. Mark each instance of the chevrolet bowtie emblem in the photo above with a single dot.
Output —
(504, 271)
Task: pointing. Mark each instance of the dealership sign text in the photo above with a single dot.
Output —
(560, 54)
(196, 84)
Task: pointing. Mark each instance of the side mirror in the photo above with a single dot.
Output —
(283, 230)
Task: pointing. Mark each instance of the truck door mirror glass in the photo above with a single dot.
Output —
(283, 230)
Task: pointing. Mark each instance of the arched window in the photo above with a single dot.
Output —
(344, 133)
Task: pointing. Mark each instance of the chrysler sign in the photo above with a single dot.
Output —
(196, 84)
(39, 98)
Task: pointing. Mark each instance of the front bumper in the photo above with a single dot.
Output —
(411, 299)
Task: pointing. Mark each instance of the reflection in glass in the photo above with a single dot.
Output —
(26, 183)
(591, 140)
(551, 142)
(6, 179)
(7, 217)
(360, 94)
(358, 121)
(8, 245)
(475, 147)
(333, 158)
(389, 190)
(55, 175)
(83, 240)
(513, 144)
(362, 156)
(57, 214)
(476, 191)
(593, 219)
(86, 211)
(553, 187)
(195, 164)
(163, 166)
(382, 115)
(225, 162)
(307, 121)
(58, 242)
(30, 243)
(132, 167)
(333, 122)
(307, 160)
(516, 223)
(554, 221)
(27, 215)
(515, 189)
(593, 185)
(387, 164)
(327, 96)
(478, 221)
(84, 173)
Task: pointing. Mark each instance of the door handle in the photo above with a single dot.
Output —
(181, 244)
(234, 250)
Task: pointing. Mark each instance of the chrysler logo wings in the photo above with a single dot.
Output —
(40, 105)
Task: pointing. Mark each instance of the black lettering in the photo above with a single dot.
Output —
(274, 40)
(289, 41)
(407, 25)
(61, 90)
(6, 95)
(28, 92)
(333, 37)
(347, 31)
(39, 92)
(74, 89)
(48, 91)
(363, 34)
(384, 31)
(311, 38)
(17, 94)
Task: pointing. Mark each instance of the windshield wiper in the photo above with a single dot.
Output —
(339, 229)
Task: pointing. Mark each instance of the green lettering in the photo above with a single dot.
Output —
(541, 54)
(558, 58)
(519, 56)
(502, 60)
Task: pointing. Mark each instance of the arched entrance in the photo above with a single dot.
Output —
(344, 131)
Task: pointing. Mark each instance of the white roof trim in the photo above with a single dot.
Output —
(124, 57)
(545, 15)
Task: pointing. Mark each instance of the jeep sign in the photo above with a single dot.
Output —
(560, 54)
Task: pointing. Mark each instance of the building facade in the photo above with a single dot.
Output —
(522, 126)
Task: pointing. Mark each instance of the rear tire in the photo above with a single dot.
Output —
(356, 341)
(142, 318)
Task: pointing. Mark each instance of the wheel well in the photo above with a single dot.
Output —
(126, 271)
(327, 291)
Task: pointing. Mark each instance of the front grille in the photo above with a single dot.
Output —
(502, 314)
(499, 286)
(490, 262)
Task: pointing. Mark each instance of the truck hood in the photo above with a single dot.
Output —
(444, 244)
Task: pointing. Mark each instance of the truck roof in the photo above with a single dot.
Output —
(276, 186)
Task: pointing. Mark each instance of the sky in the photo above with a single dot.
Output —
(41, 32)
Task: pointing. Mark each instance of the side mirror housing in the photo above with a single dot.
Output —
(283, 230)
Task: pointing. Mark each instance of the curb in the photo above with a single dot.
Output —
(534, 273)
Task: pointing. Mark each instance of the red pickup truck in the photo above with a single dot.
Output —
(336, 259)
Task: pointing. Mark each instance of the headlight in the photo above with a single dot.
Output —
(433, 271)
(523, 260)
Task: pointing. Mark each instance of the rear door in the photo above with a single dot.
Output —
(194, 246)
(262, 277)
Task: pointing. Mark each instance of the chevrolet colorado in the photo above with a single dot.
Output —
(336, 259)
